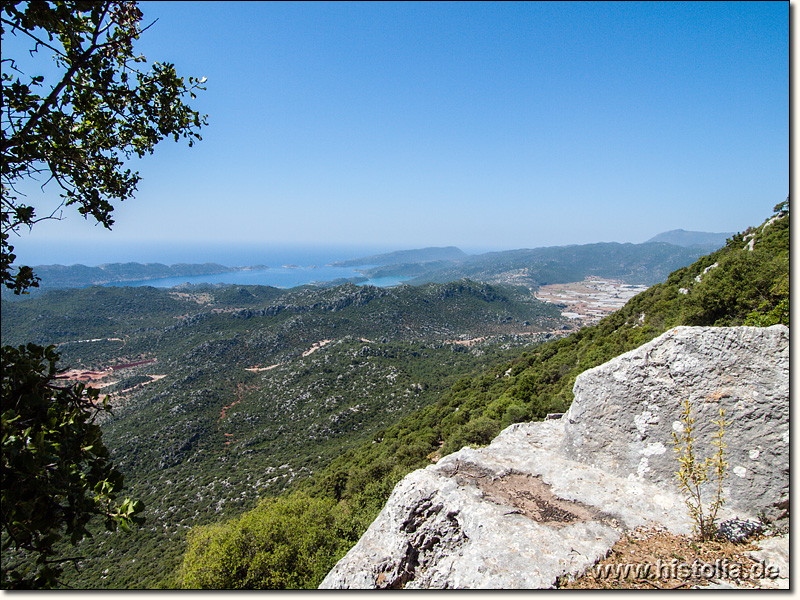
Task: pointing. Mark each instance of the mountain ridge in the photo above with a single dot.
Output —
(745, 282)
(633, 263)
(682, 237)
(420, 255)
(238, 359)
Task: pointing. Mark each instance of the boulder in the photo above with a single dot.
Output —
(513, 515)
(625, 411)
(546, 500)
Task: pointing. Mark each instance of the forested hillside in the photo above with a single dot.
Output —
(322, 399)
(222, 395)
(702, 239)
(632, 263)
(293, 540)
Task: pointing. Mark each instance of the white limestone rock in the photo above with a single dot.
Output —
(513, 515)
(774, 553)
(547, 500)
(625, 411)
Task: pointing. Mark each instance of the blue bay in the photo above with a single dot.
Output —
(280, 277)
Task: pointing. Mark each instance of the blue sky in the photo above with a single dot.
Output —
(485, 125)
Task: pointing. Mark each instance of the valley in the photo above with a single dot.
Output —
(589, 300)
(337, 504)
(262, 263)
(224, 395)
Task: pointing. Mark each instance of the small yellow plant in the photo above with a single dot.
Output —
(693, 473)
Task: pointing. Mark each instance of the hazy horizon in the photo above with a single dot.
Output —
(481, 125)
(51, 252)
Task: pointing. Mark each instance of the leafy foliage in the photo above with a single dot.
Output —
(693, 473)
(56, 472)
(78, 128)
(283, 543)
(393, 390)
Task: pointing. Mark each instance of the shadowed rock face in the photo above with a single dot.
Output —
(546, 500)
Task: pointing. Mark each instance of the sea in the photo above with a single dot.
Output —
(287, 265)
(280, 277)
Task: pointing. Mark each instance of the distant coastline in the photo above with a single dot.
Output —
(281, 277)
(247, 255)
(291, 266)
(163, 276)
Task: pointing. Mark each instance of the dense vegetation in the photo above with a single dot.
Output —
(78, 104)
(224, 394)
(306, 406)
(745, 282)
(44, 493)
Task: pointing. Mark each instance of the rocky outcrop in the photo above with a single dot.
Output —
(515, 514)
(625, 411)
(546, 500)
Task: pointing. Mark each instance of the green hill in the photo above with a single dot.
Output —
(422, 255)
(324, 398)
(646, 263)
(632, 263)
(704, 239)
(746, 282)
(226, 394)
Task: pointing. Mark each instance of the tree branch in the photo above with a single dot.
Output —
(56, 92)
(39, 42)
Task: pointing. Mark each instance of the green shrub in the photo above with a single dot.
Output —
(478, 432)
(284, 543)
